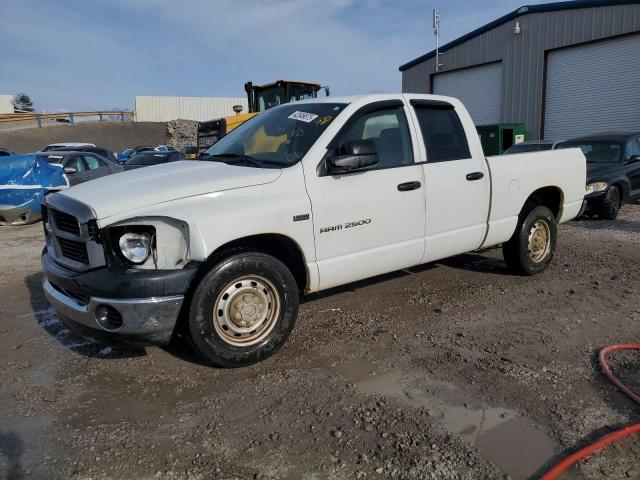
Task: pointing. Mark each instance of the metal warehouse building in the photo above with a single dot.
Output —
(562, 69)
(163, 109)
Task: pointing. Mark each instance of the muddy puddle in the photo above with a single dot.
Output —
(513, 443)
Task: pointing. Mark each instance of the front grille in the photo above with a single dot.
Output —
(73, 250)
(66, 223)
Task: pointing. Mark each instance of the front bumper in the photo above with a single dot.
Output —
(20, 215)
(145, 321)
(148, 302)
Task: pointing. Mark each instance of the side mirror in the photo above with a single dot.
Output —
(352, 156)
(69, 170)
(634, 159)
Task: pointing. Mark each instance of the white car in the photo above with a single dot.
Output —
(301, 198)
(67, 146)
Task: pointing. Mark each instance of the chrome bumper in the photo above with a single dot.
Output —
(149, 320)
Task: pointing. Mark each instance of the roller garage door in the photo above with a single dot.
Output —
(479, 88)
(593, 88)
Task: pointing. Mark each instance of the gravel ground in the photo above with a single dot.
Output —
(450, 370)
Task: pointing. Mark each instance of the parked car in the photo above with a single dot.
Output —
(613, 170)
(146, 159)
(68, 145)
(529, 146)
(129, 152)
(304, 197)
(81, 166)
(24, 182)
(190, 152)
(5, 153)
(103, 152)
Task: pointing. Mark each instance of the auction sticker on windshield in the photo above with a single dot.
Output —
(303, 116)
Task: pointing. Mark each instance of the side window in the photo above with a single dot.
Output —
(389, 132)
(92, 162)
(443, 134)
(633, 147)
(77, 163)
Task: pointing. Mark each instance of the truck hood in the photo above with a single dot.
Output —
(143, 187)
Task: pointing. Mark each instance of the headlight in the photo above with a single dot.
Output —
(136, 247)
(596, 187)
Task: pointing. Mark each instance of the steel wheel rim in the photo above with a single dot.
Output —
(246, 311)
(539, 241)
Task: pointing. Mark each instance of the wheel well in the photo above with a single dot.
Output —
(279, 246)
(550, 197)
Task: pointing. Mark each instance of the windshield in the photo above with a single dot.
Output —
(147, 159)
(600, 151)
(278, 138)
(270, 97)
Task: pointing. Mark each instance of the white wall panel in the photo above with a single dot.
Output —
(163, 109)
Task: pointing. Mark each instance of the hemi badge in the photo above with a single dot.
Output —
(300, 218)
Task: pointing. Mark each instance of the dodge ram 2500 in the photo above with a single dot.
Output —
(301, 198)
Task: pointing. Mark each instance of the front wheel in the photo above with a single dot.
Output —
(243, 310)
(610, 206)
(532, 246)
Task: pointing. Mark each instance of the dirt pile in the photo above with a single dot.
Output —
(113, 135)
(182, 133)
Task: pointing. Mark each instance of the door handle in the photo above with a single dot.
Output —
(474, 176)
(407, 186)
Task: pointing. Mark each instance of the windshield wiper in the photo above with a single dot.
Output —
(231, 158)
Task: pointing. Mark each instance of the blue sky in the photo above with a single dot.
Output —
(93, 54)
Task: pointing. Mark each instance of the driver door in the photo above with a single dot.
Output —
(76, 162)
(372, 221)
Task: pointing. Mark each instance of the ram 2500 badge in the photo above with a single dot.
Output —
(301, 198)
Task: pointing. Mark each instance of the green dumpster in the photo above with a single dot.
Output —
(497, 138)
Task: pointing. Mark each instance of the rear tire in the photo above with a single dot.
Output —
(532, 246)
(610, 206)
(243, 310)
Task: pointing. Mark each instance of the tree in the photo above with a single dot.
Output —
(22, 102)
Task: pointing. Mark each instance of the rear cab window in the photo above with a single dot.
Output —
(442, 132)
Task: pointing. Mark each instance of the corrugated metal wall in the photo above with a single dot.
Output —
(163, 109)
(5, 104)
(479, 88)
(523, 55)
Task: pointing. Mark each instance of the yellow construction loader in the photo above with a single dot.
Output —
(259, 98)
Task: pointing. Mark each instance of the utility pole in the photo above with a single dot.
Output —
(436, 32)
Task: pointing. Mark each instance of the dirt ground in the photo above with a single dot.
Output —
(451, 370)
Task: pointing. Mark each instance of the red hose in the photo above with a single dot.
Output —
(607, 439)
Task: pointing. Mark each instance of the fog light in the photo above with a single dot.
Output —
(108, 317)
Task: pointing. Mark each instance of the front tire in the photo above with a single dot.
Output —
(532, 246)
(243, 310)
(610, 206)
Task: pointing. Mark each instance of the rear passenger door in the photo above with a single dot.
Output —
(457, 182)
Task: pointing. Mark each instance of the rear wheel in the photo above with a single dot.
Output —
(610, 206)
(532, 246)
(243, 310)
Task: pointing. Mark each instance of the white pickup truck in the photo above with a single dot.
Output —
(301, 198)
